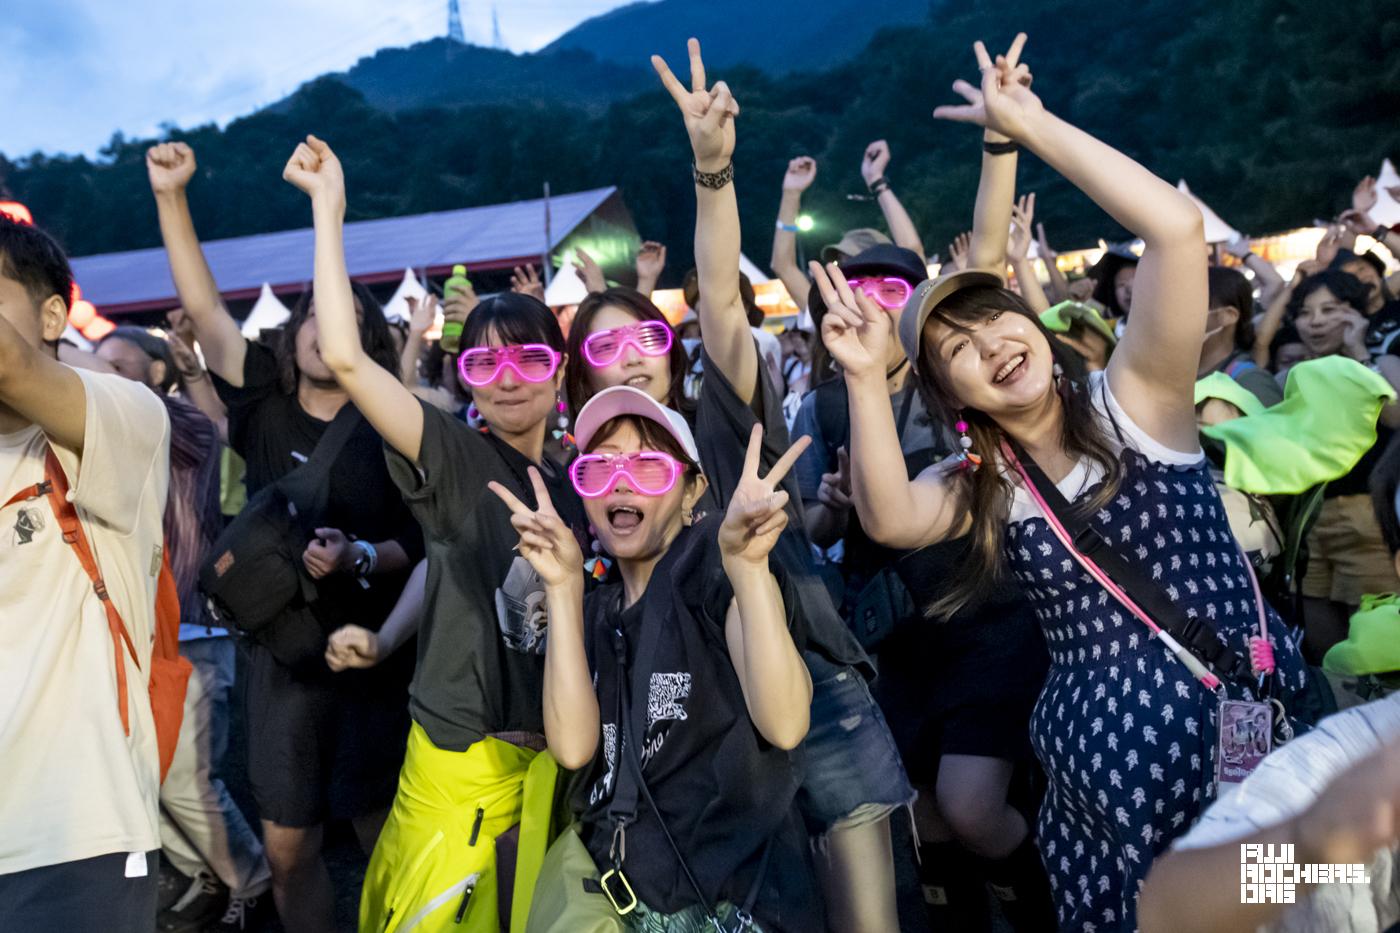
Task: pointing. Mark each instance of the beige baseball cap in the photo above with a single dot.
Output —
(853, 242)
(927, 295)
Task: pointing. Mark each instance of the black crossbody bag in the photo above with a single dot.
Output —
(254, 577)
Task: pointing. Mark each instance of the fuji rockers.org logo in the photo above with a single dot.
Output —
(1269, 874)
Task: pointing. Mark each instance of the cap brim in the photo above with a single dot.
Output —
(617, 401)
(928, 295)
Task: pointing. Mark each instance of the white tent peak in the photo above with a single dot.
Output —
(1217, 230)
(566, 288)
(747, 267)
(1387, 209)
(268, 312)
(396, 308)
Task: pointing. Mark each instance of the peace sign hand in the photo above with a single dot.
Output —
(1005, 103)
(856, 331)
(1018, 248)
(709, 115)
(756, 513)
(545, 541)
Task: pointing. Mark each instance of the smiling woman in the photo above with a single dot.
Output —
(1104, 453)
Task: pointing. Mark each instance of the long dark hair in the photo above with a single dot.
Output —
(640, 307)
(374, 336)
(987, 491)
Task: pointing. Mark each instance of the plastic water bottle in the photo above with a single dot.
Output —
(452, 330)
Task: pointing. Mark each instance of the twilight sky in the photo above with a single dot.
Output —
(75, 71)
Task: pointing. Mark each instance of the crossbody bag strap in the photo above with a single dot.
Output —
(55, 486)
(631, 782)
(309, 479)
(1142, 597)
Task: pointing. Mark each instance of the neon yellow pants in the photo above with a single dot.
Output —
(434, 867)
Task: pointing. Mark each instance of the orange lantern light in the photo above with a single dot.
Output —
(16, 212)
(82, 314)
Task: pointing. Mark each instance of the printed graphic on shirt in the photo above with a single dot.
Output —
(604, 786)
(521, 609)
(28, 523)
(665, 697)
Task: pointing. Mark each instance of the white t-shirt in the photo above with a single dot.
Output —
(73, 785)
(1088, 472)
(1284, 785)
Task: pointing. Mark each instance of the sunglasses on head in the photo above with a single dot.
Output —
(649, 472)
(605, 347)
(533, 362)
(888, 291)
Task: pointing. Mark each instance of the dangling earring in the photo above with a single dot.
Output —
(562, 433)
(472, 413)
(968, 459)
(597, 565)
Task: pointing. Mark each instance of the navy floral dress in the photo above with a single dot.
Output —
(1125, 733)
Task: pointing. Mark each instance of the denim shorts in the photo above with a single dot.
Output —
(854, 774)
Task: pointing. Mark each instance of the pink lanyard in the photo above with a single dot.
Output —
(1261, 653)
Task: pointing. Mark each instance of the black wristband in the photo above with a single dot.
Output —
(1006, 148)
(879, 186)
(713, 180)
(1380, 233)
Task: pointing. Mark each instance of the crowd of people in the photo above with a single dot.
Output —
(969, 602)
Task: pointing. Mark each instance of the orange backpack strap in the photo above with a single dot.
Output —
(74, 536)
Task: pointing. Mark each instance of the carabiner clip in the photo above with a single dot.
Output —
(625, 891)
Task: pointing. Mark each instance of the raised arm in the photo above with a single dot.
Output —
(872, 170)
(777, 687)
(376, 392)
(36, 386)
(1270, 282)
(1153, 369)
(651, 261)
(709, 121)
(1271, 322)
(195, 385)
(801, 172)
(1059, 285)
(170, 167)
(571, 718)
(893, 510)
(1018, 251)
(996, 186)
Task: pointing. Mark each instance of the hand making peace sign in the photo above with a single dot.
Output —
(545, 541)
(1005, 103)
(856, 331)
(756, 514)
(708, 114)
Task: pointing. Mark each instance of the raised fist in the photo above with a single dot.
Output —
(170, 167)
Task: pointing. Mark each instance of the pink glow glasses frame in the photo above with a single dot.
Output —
(651, 473)
(651, 338)
(882, 290)
(533, 362)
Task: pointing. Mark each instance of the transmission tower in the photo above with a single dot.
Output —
(497, 42)
(454, 23)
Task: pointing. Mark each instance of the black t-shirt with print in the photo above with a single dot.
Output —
(723, 423)
(270, 430)
(725, 792)
(481, 643)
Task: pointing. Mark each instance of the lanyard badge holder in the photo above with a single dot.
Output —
(1245, 728)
